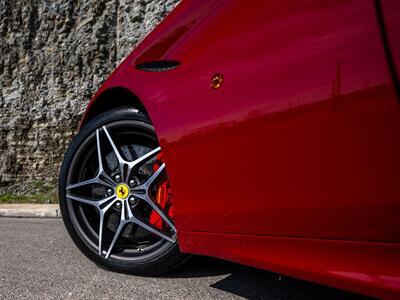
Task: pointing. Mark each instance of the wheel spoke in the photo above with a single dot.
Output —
(105, 200)
(100, 250)
(121, 225)
(83, 183)
(147, 184)
(99, 157)
(95, 203)
(141, 160)
(122, 162)
(95, 180)
(101, 172)
(146, 157)
(153, 177)
(102, 213)
(157, 208)
(82, 200)
(152, 229)
(116, 151)
(139, 221)
(116, 235)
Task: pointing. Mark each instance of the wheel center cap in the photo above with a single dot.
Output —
(122, 191)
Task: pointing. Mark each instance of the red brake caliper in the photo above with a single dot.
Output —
(163, 198)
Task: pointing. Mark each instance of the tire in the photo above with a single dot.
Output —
(94, 187)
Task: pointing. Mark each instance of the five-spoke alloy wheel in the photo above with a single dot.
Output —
(115, 197)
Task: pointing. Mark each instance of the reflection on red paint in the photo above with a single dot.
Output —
(298, 152)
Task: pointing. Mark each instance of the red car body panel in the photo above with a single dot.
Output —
(293, 164)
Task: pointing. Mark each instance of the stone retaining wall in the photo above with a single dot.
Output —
(54, 54)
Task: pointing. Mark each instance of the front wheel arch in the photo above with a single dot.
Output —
(113, 98)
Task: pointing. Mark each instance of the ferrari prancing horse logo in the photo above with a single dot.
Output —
(122, 191)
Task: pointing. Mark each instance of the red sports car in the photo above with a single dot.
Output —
(264, 132)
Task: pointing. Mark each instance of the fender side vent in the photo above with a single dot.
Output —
(158, 65)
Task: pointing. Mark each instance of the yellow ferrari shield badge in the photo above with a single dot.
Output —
(122, 191)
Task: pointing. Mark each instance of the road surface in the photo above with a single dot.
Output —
(39, 261)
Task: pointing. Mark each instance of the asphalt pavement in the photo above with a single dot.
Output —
(39, 261)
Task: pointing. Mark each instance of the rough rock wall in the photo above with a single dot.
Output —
(54, 54)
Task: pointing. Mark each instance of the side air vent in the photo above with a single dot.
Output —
(158, 65)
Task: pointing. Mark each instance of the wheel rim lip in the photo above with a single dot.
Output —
(150, 250)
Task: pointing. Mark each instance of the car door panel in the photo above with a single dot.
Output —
(300, 140)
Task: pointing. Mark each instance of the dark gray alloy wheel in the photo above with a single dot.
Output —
(115, 197)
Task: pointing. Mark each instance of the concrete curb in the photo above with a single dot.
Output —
(30, 210)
